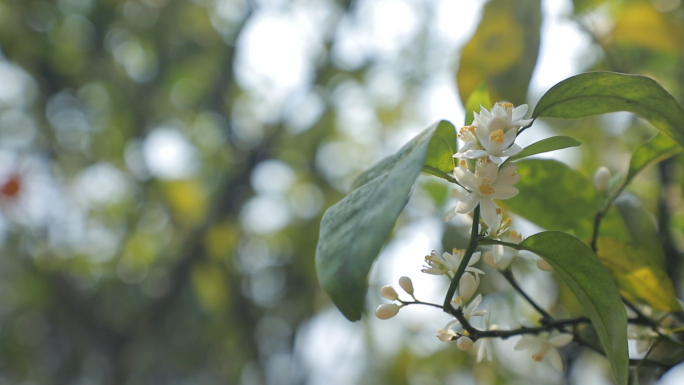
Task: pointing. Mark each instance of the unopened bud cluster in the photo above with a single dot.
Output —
(389, 310)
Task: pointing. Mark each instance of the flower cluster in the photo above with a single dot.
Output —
(389, 310)
(489, 139)
(484, 175)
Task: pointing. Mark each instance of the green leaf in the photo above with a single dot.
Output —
(637, 275)
(595, 93)
(439, 159)
(440, 154)
(556, 197)
(354, 229)
(447, 131)
(479, 97)
(503, 51)
(546, 145)
(594, 288)
(642, 228)
(660, 147)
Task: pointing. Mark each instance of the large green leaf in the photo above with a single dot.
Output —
(440, 155)
(556, 197)
(660, 147)
(637, 275)
(503, 51)
(594, 288)
(354, 230)
(595, 93)
(545, 145)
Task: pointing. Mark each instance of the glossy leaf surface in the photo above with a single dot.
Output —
(594, 288)
(354, 230)
(546, 145)
(637, 275)
(596, 93)
(556, 197)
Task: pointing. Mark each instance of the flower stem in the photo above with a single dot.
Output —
(508, 274)
(472, 244)
(504, 334)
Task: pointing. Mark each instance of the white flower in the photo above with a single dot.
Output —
(503, 117)
(643, 336)
(459, 194)
(469, 311)
(448, 263)
(447, 334)
(467, 135)
(485, 344)
(487, 183)
(542, 347)
(495, 132)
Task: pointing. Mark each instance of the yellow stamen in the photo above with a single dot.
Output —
(505, 106)
(497, 136)
(485, 189)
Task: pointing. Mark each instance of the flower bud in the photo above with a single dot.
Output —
(543, 265)
(387, 310)
(467, 287)
(388, 292)
(406, 284)
(489, 260)
(464, 343)
(602, 179)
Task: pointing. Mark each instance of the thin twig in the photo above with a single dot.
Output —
(472, 245)
(508, 274)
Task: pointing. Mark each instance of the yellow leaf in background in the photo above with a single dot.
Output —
(187, 199)
(211, 286)
(641, 25)
(503, 51)
(637, 275)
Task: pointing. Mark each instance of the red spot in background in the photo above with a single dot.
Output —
(11, 187)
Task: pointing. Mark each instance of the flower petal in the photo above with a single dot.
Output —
(555, 359)
(468, 203)
(513, 150)
(560, 340)
(519, 112)
(482, 134)
(481, 350)
(470, 154)
(488, 211)
(509, 138)
(527, 342)
(495, 159)
(466, 178)
(474, 270)
(503, 191)
(474, 258)
(498, 252)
